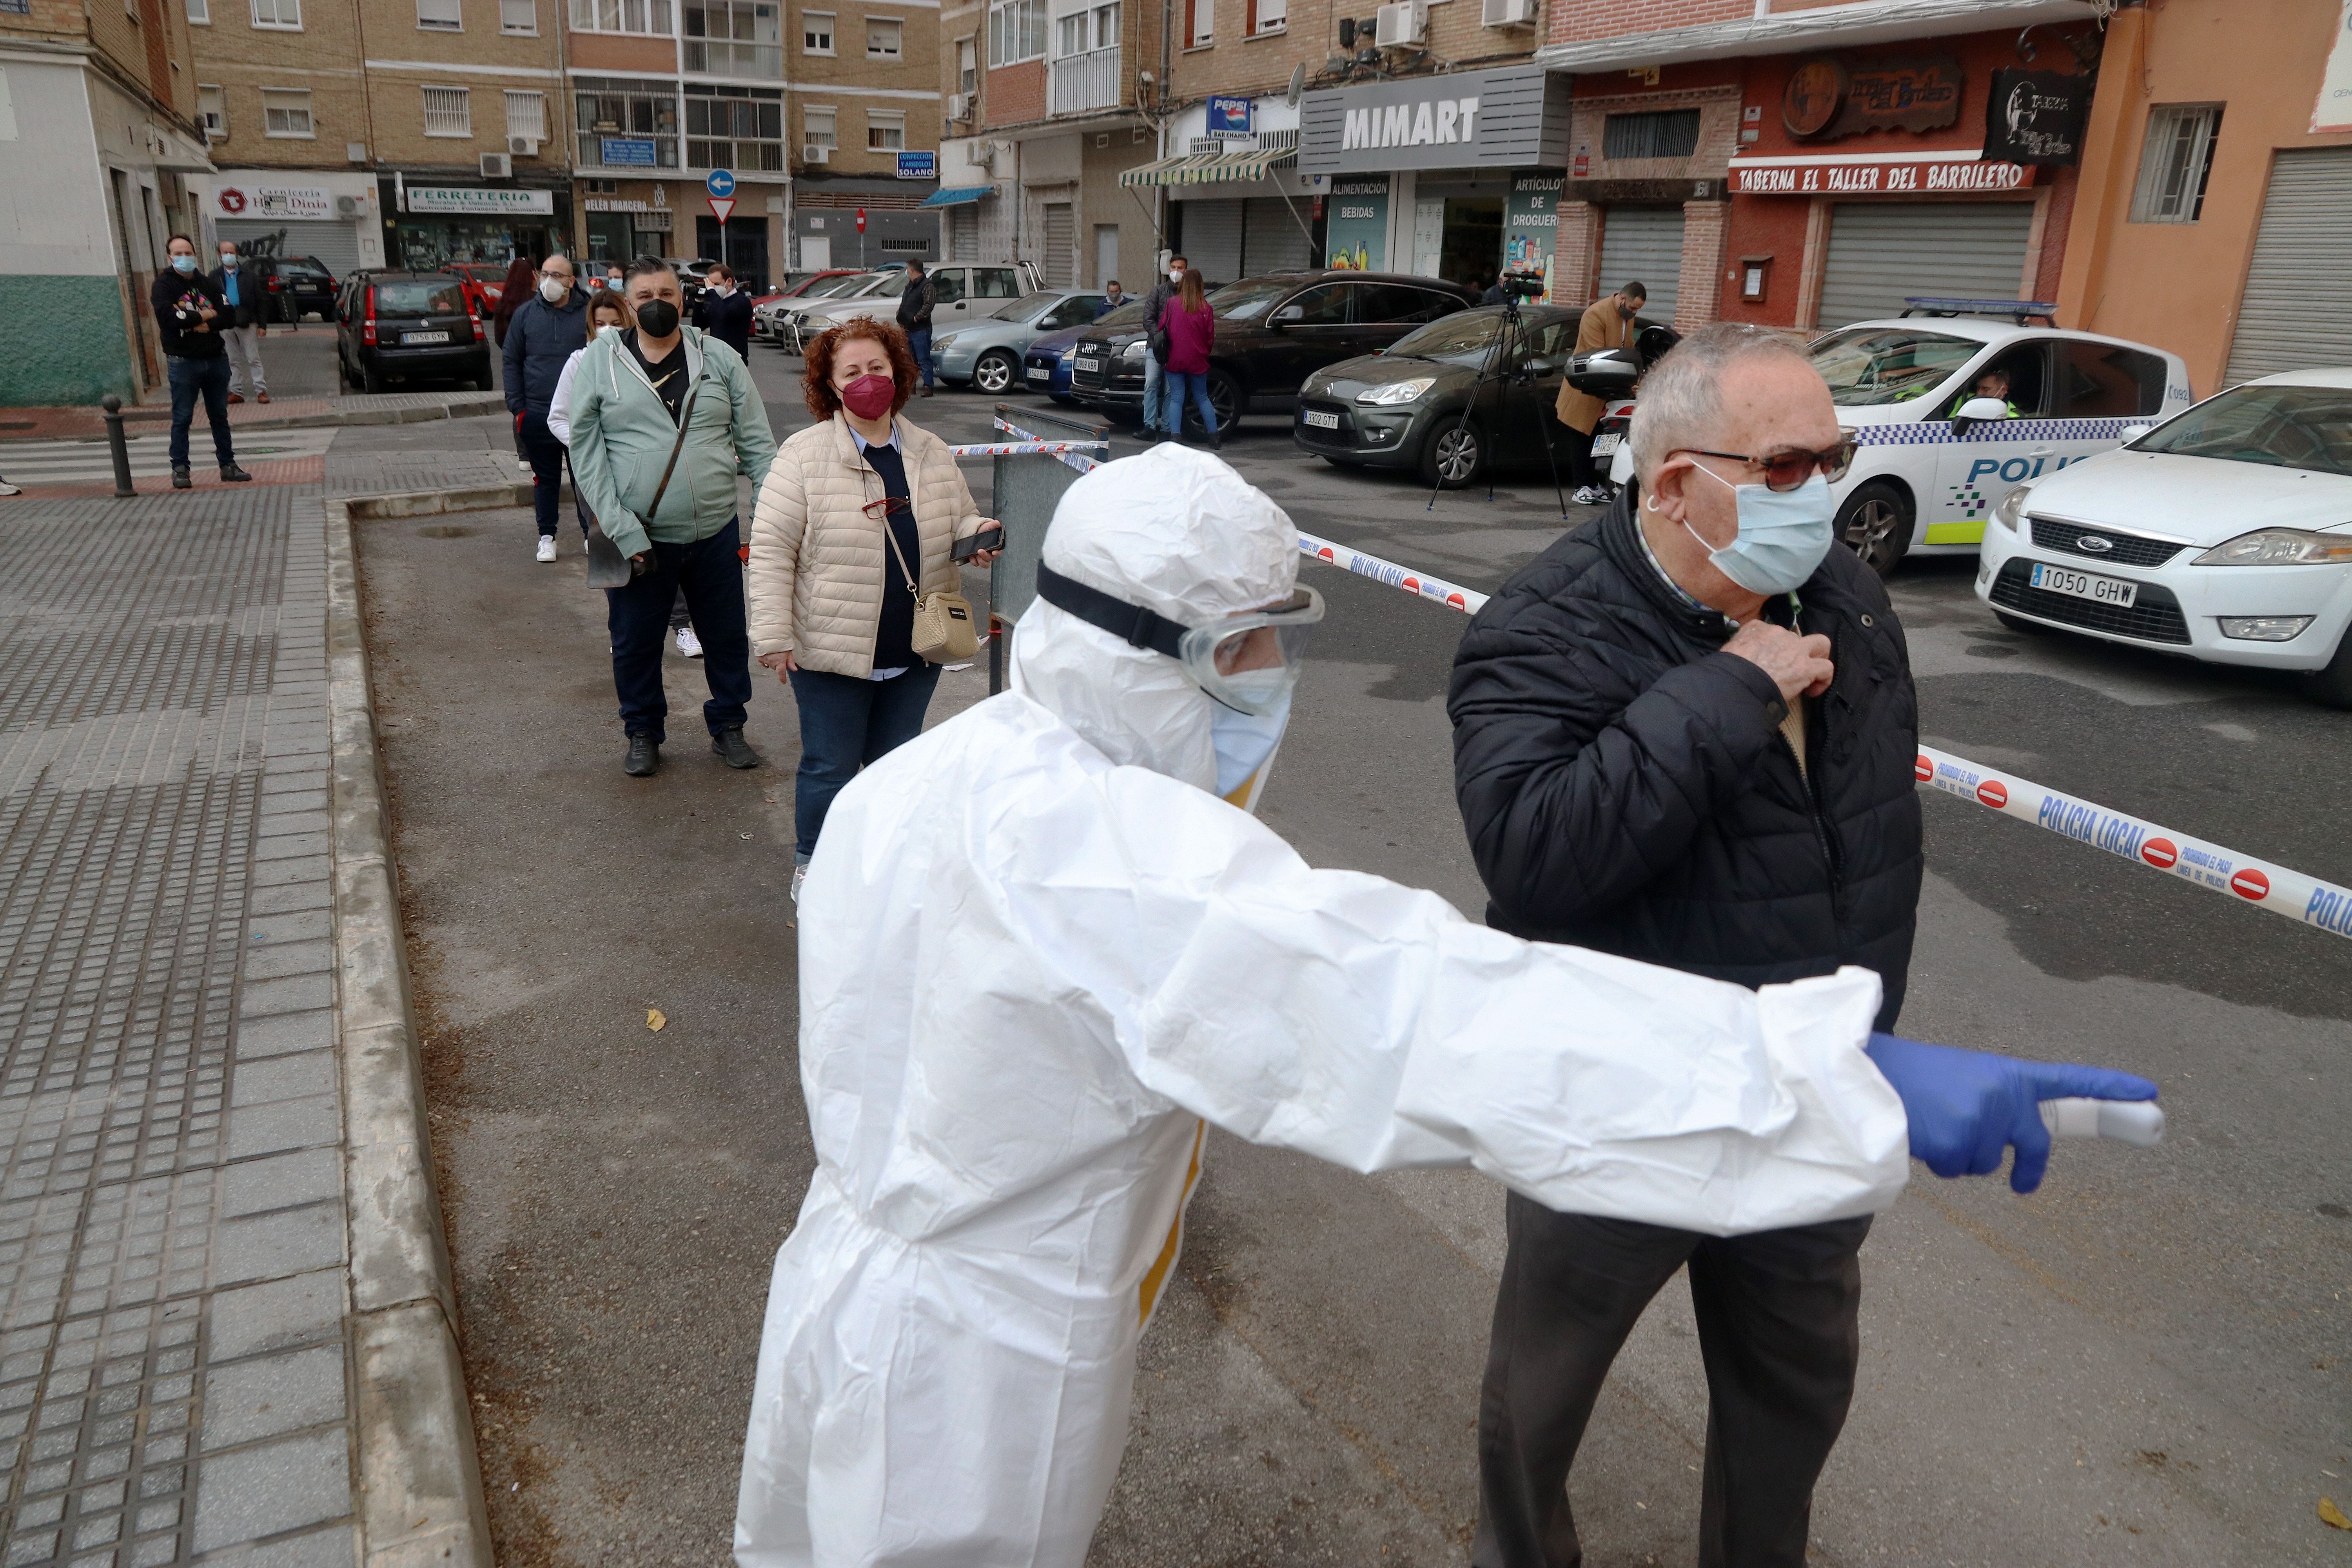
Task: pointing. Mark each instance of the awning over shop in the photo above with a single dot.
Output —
(1210, 168)
(957, 196)
(1825, 27)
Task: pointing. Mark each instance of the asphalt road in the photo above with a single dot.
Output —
(2145, 1363)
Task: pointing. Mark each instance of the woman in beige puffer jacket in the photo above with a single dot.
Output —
(832, 607)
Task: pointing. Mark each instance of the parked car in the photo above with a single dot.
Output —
(1273, 332)
(985, 354)
(2225, 533)
(960, 293)
(692, 271)
(1046, 362)
(485, 283)
(1934, 458)
(767, 313)
(1402, 408)
(409, 326)
(299, 285)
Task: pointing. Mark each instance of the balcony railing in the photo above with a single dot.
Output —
(1084, 82)
(713, 57)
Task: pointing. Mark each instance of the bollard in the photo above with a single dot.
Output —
(117, 444)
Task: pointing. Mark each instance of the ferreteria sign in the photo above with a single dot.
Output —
(1892, 174)
(1513, 117)
(479, 199)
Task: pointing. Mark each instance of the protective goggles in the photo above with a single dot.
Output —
(1247, 661)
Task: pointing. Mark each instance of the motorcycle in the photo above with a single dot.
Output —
(1613, 376)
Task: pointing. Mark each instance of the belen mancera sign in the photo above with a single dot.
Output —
(1508, 119)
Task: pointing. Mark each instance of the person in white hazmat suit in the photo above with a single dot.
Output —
(1042, 951)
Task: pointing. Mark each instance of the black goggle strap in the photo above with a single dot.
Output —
(1131, 622)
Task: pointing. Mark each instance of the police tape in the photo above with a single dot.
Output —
(1419, 585)
(1061, 449)
(2307, 901)
(1074, 453)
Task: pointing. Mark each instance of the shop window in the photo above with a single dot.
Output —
(2177, 163)
(886, 129)
(212, 105)
(283, 14)
(651, 16)
(441, 16)
(1017, 31)
(819, 127)
(734, 127)
(1654, 134)
(519, 16)
(286, 111)
(966, 67)
(526, 115)
(608, 108)
(884, 39)
(734, 37)
(448, 111)
(2099, 381)
(816, 32)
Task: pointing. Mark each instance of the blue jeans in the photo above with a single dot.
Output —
(546, 455)
(1154, 382)
(846, 723)
(1192, 384)
(190, 377)
(710, 571)
(920, 340)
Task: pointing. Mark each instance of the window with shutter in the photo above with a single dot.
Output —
(448, 111)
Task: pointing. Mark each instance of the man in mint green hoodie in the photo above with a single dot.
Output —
(664, 418)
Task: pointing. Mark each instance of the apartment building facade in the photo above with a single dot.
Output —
(98, 138)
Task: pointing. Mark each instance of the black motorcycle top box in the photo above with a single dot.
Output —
(1611, 373)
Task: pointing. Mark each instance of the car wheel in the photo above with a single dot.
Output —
(1453, 456)
(1224, 397)
(2333, 684)
(1876, 524)
(371, 378)
(996, 373)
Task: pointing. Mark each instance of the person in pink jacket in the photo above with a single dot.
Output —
(1189, 327)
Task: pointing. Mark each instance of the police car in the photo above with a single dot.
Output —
(1955, 403)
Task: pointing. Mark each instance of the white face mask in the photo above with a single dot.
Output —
(1246, 742)
(552, 288)
(1176, 274)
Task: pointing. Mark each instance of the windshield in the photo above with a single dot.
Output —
(1871, 365)
(892, 285)
(1027, 307)
(826, 288)
(1463, 339)
(1128, 315)
(1250, 298)
(2284, 427)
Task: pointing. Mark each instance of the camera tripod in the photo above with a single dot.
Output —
(1501, 371)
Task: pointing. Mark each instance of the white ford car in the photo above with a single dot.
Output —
(2225, 534)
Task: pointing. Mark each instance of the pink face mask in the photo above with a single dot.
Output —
(870, 396)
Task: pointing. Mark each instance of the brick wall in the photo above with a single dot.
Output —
(1239, 63)
(1700, 283)
(1613, 18)
(1014, 94)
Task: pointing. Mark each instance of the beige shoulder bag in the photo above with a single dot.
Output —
(944, 632)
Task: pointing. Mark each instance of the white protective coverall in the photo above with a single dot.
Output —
(1038, 956)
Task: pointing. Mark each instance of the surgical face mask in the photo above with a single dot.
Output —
(228, 260)
(184, 264)
(552, 288)
(1783, 534)
(657, 318)
(1246, 742)
(1177, 276)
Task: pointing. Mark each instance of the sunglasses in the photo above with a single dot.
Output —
(1787, 471)
(878, 510)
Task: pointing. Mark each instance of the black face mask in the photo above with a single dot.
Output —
(657, 318)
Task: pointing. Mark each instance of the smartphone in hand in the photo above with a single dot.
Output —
(986, 539)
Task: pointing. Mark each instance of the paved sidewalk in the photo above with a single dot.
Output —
(176, 1338)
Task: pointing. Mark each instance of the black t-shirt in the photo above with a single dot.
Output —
(667, 375)
(178, 301)
(893, 634)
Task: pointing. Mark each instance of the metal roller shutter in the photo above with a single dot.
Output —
(963, 232)
(1272, 239)
(1061, 246)
(2298, 310)
(1882, 251)
(336, 245)
(1211, 242)
(1644, 244)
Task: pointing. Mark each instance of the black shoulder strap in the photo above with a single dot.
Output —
(1142, 628)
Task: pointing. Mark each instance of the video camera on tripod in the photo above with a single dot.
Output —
(1521, 284)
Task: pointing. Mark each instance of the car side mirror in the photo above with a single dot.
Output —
(1290, 313)
(1976, 411)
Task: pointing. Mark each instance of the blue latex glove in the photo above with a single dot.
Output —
(1966, 1106)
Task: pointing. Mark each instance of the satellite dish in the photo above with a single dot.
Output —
(1297, 85)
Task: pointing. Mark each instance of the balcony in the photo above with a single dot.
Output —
(715, 56)
(1081, 83)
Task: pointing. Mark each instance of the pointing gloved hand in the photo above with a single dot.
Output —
(1966, 1106)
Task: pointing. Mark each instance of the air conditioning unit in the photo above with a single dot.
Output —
(812, 153)
(528, 146)
(497, 167)
(350, 206)
(1405, 22)
(959, 106)
(1507, 12)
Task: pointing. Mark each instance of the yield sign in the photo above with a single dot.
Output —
(722, 205)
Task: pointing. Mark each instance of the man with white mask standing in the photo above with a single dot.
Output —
(1104, 952)
(1684, 734)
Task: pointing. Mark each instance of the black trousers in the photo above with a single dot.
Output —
(1777, 1327)
(1578, 445)
(710, 572)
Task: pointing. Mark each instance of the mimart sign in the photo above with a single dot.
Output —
(1515, 117)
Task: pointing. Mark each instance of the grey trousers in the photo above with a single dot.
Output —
(1777, 1315)
(245, 361)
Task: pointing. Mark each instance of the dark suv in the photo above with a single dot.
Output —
(409, 326)
(299, 285)
(1272, 333)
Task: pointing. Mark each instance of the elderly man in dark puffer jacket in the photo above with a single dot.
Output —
(1686, 734)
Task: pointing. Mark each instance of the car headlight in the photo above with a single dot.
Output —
(2280, 547)
(1398, 391)
(1133, 350)
(2010, 512)
(1069, 353)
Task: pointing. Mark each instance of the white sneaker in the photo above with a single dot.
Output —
(1590, 495)
(689, 643)
(524, 464)
(546, 548)
(800, 875)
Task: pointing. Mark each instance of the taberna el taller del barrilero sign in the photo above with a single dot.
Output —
(1515, 117)
(2037, 117)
